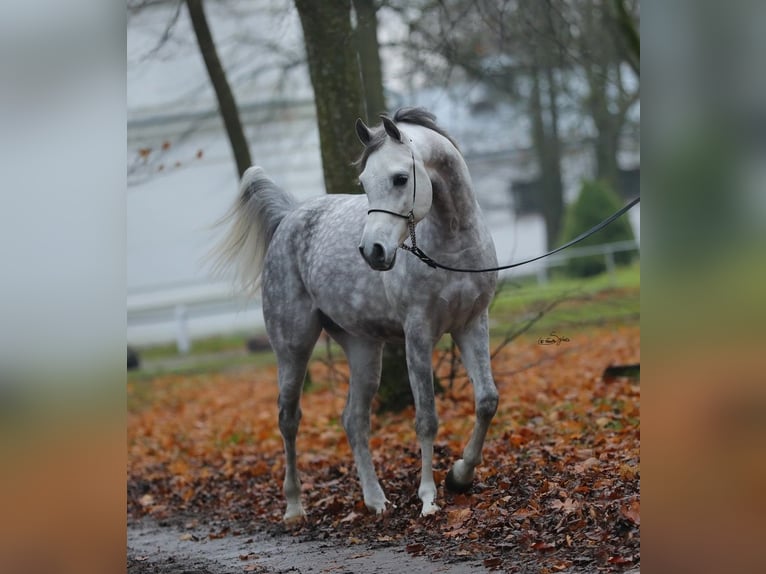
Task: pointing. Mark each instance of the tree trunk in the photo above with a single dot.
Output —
(344, 65)
(368, 50)
(607, 141)
(395, 393)
(606, 49)
(631, 39)
(226, 102)
(547, 148)
(553, 190)
(607, 128)
(334, 72)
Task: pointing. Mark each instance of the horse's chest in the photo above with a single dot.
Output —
(460, 302)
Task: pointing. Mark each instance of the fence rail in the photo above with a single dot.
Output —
(175, 306)
(607, 250)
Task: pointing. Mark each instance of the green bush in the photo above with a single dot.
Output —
(596, 202)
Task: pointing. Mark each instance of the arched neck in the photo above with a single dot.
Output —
(454, 210)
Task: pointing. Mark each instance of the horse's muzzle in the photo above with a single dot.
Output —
(377, 258)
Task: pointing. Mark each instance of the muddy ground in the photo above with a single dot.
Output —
(155, 549)
(172, 549)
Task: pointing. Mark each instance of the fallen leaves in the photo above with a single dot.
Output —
(559, 487)
(565, 506)
(248, 556)
(632, 513)
(350, 518)
(587, 464)
(416, 549)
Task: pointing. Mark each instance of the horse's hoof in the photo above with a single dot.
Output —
(294, 516)
(377, 509)
(429, 509)
(453, 485)
(296, 520)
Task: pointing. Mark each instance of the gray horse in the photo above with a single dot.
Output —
(308, 258)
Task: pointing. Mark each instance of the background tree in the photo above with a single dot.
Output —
(368, 55)
(543, 66)
(394, 393)
(334, 70)
(543, 56)
(344, 65)
(512, 49)
(225, 97)
(601, 45)
(631, 40)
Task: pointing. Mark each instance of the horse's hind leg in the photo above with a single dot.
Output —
(364, 358)
(473, 343)
(293, 336)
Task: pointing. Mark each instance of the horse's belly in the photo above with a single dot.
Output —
(357, 305)
(380, 328)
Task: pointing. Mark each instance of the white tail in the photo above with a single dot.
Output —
(251, 222)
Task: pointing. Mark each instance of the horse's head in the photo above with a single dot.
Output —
(398, 189)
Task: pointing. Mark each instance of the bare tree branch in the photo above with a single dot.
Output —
(167, 33)
(511, 335)
(630, 35)
(226, 101)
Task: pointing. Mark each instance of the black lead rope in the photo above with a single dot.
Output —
(415, 250)
(420, 254)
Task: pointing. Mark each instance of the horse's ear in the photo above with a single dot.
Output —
(391, 128)
(363, 132)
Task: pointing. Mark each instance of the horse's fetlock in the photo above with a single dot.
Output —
(289, 420)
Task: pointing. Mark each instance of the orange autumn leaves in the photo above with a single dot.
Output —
(559, 483)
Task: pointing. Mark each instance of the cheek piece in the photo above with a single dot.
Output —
(410, 217)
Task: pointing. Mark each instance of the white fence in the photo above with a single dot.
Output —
(607, 250)
(182, 312)
(186, 311)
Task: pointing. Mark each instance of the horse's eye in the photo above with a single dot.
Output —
(400, 180)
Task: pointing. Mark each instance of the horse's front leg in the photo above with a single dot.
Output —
(419, 352)
(473, 343)
(364, 358)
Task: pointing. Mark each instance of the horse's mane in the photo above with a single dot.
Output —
(418, 116)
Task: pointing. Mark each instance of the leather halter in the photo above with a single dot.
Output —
(411, 215)
(420, 254)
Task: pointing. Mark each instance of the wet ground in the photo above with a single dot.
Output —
(154, 549)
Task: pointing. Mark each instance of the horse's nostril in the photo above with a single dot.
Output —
(378, 252)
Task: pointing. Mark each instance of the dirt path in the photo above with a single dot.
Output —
(153, 549)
